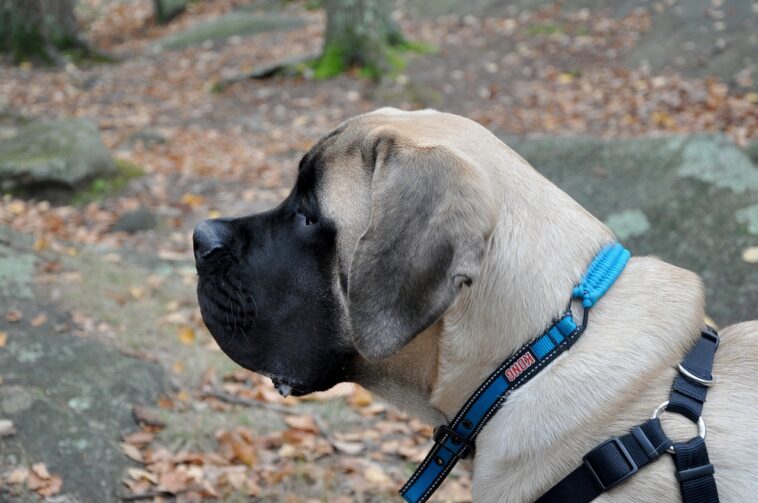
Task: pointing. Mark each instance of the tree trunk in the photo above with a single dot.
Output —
(167, 10)
(37, 28)
(358, 33)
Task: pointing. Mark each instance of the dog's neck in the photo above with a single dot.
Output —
(538, 251)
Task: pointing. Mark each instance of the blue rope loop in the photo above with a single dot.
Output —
(601, 274)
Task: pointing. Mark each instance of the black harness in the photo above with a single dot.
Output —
(618, 458)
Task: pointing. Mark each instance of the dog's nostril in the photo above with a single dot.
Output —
(210, 238)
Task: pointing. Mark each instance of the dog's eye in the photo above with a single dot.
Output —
(304, 218)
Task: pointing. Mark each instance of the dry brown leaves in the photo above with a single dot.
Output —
(37, 478)
(368, 458)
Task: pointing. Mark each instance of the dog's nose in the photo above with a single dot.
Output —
(210, 238)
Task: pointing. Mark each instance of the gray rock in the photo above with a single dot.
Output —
(238, 23)
(141, 219)
(752, 151)
(699, 39)
(60, 155)
(148, 137)
(689, 200)
(70, 398)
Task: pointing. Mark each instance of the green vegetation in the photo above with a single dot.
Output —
(544, 29)
(101, 188)
(335, 61)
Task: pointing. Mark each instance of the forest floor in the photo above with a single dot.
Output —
(205, 428)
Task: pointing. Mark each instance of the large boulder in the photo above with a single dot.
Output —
(692, 201)
(70, 398)
(55, 156)
(237, 23)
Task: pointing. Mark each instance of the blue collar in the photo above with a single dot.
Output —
(455, 441)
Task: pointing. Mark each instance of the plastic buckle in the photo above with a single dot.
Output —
(456, 439)
(709, 333)
(633, 468)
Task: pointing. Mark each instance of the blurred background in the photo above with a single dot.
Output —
(125, 122)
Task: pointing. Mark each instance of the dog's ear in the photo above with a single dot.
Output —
(425, 240)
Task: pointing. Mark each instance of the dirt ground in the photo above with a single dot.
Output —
(208, 429)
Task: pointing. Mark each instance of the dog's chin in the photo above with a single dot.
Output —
(284, 382)
(289, 387)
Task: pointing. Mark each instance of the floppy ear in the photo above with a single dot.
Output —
(425, 240)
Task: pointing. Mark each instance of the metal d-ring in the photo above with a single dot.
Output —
(692, 377)
(700, 423)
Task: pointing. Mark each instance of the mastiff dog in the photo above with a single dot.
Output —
(416, 252)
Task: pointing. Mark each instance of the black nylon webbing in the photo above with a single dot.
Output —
(607, 464)
(695, 472)
(617, 459)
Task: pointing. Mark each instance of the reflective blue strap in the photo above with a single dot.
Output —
(513, 373)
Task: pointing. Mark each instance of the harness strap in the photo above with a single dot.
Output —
(691, 385)
(694, 472)
(618, 458)
(610, 464)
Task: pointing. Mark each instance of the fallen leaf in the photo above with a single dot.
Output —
(14, 316)
(17, 207)
(40, 470)
(132, 452)
(6, 428)
(3, 338)
(193, 200)
(302, 422)
(138, 438)
(361, 397)
(238, 447)
(351, 448)
(165, 402)
(139, 473)
(235, 479)
(375, 475)
(34, 482)
(147, 417)
(52, 488)
(173, 256)
(41, 244)
(137, 292)
(18, 476)
(174, 482)
(288, 451)
(750, 255)
(186, 335)
(38, 320)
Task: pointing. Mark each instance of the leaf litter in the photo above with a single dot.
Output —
(224, 153)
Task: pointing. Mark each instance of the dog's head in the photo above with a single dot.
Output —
(384, 227)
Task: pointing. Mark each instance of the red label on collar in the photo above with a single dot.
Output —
(518, 368)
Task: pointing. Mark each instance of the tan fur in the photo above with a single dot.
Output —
(612, 379)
